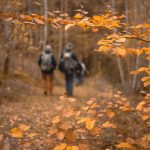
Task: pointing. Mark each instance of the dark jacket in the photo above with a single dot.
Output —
(62, 62)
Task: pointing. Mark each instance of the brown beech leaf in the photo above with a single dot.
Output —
(1, 137)
(24, 127)
(68, 112)
(65, 125)
(56, 120)
(95, 131)
(85, 108)
(69, 26)
(70, 136)
(5, 146)
(82, 120)
(31, 135)
(110, 114)
(60, 135)
(52, 131)
(37, 3)
(84, 146)
(38, 21)
(108, 124)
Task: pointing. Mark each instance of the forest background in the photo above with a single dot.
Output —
(25, 43)
(116, 54)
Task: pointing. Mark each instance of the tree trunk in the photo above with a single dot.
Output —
(45, 27)
(137, 62)
(8, 31)
(65, 11)
(60, 48)
(119, 63)
(30, 30)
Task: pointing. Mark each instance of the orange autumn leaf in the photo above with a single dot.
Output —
(110, 114)
(56, 120)
(90, 123)
(140, 105)
(145, 117)
(31, 135)
(121, 51)
(95, 105)
(124, 145)
(72, 148)
(62, 146)
(38, 21)
(52, 131)
(95, 131)
(60, 135)
(68, 112)
(121, 40)
(85, 108)
(69, 26)
(82, 120)
(78, 16)
(16, 132)
(23, 127)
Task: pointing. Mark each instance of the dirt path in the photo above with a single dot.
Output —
(38, 110)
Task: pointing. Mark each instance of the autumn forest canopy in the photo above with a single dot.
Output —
(109, 103)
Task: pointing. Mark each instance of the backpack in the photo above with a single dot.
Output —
(69, 63)
(46, 62)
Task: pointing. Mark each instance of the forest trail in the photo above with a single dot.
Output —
(50, 118)
(38, 110)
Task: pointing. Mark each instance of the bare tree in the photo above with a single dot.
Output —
(60, 47)
(46, 26)
(119, 63)
(30, 30)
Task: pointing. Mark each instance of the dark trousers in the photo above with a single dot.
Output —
(69, 83)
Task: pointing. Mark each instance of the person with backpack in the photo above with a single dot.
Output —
(47, 65)
(68, 65)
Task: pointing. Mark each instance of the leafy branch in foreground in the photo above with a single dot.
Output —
(111, 122)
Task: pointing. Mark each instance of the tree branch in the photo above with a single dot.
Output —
(140, 39)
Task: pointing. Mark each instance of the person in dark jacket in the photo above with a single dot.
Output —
(47, 65)
(68, 65)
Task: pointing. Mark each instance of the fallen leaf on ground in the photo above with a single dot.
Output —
(31, 135)
(124, 145)
(90, 123)
(60, 135)
(16, 132)
(108, 124)
(24, 127)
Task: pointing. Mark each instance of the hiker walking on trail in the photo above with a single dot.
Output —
(47, 65)
(68, 65)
